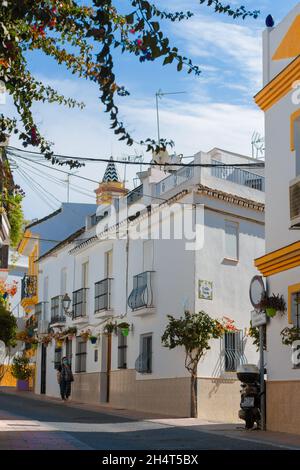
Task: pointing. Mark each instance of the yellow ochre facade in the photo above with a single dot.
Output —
(280, 101)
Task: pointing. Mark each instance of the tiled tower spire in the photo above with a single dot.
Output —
(111, 186)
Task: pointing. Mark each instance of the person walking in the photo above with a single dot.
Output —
(65, 378)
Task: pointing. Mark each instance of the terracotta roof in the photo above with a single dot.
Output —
(231, 198)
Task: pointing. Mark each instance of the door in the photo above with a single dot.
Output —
(105, 368)
(43, 368)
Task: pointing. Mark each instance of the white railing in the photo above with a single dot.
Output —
(174, 180)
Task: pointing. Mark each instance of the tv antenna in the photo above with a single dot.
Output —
(258, 146)
(132, 158)
(158, 95)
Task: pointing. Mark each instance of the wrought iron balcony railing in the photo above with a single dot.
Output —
(4, 249)
(174, 180)
(80, 303)
(29, 287)
(57, 312)
(103, 295)
(142, 292)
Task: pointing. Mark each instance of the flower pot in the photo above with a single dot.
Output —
(125, 331)
(70, 337)
(271, 312)
(59, 343)
(22, 385)
(93, 339)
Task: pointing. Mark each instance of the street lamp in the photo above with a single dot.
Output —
(66, 303)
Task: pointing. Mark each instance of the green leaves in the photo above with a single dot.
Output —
(83, 39)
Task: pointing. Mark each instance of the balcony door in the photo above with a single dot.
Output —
(43, 368)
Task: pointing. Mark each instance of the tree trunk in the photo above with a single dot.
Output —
(194, 400)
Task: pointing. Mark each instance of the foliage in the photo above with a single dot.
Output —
(69, 33)
(110, 327)
(26, 337)
(194, 332)
(20, 368)
(253, 332)
(8, 326)
(289, 335)
(71, 331)
(15, 217)
(7, 290)
(274, 301)
(86, 334)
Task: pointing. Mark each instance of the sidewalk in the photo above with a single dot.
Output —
(234, 431)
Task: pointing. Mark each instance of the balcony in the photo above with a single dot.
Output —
(4, 249)
(41, 314)
(174, 180)
(135, 195)
(140, 299)
(236, 175)
(103, 298)
(29, 289)
(57, 313)
(80, 303)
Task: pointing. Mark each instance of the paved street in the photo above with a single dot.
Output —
(31, 423)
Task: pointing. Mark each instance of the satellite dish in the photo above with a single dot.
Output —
(2, 351)
(161, 157)
(256, 291)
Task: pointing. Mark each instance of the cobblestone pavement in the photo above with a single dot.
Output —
(31, 423)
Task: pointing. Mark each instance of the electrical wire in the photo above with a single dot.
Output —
(165, 165)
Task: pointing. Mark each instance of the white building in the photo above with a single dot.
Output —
(141, 281)
(279, 99)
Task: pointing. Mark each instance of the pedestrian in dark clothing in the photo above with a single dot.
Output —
(65, 378)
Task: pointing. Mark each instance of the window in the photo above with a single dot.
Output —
(57, 357)
(148, 255)
(85, 275)
(122, 351)
(80, 355)
(295, 308)
(233, 350)
(109, 264)
(296, 131)
(69, 351)
(96, 355)
(63, 281)
(231, 240)
(144, 361)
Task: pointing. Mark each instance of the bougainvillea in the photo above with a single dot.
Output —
(83, 39)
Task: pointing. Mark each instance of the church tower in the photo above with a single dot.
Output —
(110, 187)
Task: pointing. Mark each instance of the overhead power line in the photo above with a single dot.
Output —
(128, 162)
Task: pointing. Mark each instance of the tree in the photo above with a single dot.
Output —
(8, 329)
(193, 332)
(70, 33)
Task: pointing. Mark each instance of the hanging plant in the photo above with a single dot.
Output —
(85, 335)
(93, 339)
(289, 335)
(273, 304)
(70, 332)
(46, 339)
(124, 327)
(110, 328)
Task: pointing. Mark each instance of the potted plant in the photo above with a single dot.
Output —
(124, 327)
(93, 339)
(22, 371)
(85, 335)
(110, 327)
(272, 304)
(46, 339)
(70, 332)
(289, 335)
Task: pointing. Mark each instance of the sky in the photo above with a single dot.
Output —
(215, 110)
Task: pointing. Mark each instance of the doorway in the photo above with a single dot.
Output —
(43, 368)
